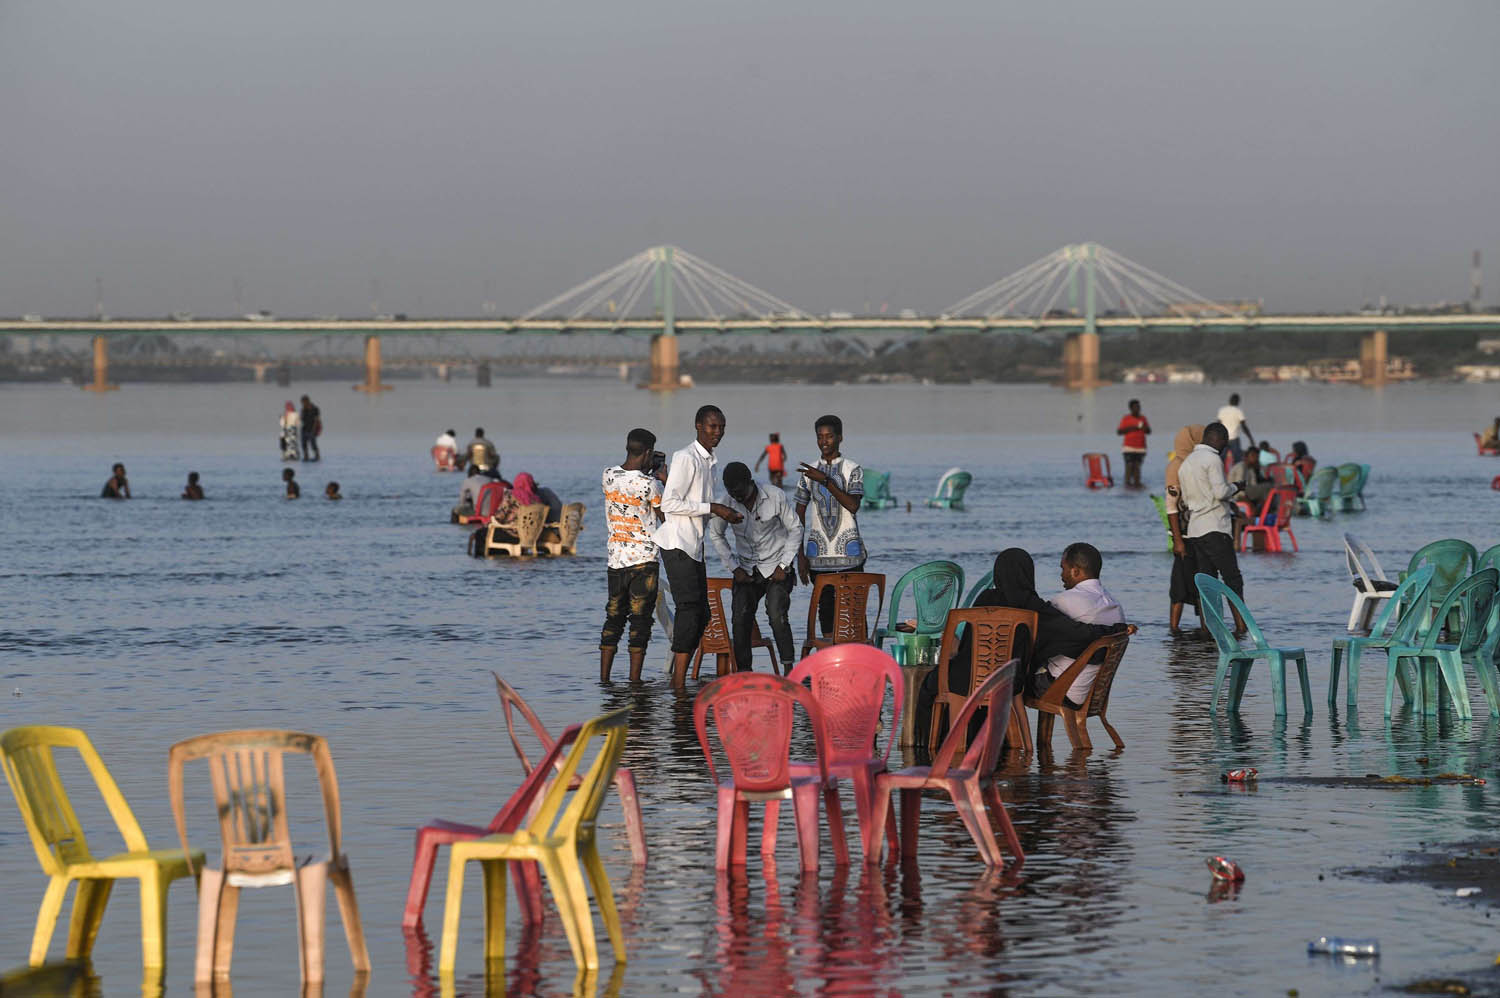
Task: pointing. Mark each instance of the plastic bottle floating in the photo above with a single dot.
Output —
(1339, 946)
(1225, 869)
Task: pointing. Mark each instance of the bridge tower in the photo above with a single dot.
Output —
(664, 364)
(101, 366)
(372, 367)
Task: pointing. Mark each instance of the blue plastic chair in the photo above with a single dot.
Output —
(1352, 479)
(935, 587)
(1236, 657)
(1402, 627)
(1317, 497)
(877, 490)
(951, 489)
(985, 581)
(1441, 664)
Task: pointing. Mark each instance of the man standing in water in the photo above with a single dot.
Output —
(775, 456)
(1204, 497)
(1134, 428)
(765, 547)
(687, 503)
(480, 453)
(312, 425)
(1233, 418)
(632, 504)
(118, 487)
(830, 539)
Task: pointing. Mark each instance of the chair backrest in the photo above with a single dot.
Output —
(994, 694)
(1405, 613)
(848, 682)
(442, 457)
(1110, 649)
(1000, 633)
(877, 484)
(1453, 559)
(953, 484)
(1210, 590)
(249, 782)
(936, 588)
(1349, 479)
(528, 524)
(1471, 598)
(1278, 507)
(1490, 559)
(1361, 561)
(851, 600)
(985, 581)
(31, 771)
(511, 701)
(605, 737)
(488, 499)
(715, 640)
(1322, 482)
(572, 523)
(1097, 466)
(753, 713)
(1282, 473)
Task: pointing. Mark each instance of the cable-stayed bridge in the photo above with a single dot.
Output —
(1075, 293)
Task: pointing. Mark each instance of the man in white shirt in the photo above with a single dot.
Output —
(1085, 599)
(1204, 503)
(686, 503)
(1233, 418)
(766, 540)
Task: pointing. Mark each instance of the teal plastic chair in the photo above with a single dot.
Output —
(1440, 664)
(985, 581)
(1317, 497)
(1490, 559)
(935, 587)
(951, 489)
(877, 490)
(1161, 513)
(1453, 559)
(1236, 656)
(1485, 657)
(1352, 478)
(1392, 626)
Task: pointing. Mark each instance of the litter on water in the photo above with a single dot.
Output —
(1225, 869)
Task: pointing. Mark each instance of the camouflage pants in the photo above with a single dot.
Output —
(632, 598)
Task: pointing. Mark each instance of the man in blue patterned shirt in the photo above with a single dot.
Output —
(830, 536)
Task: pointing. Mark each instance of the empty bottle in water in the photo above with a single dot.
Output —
(1340, 946)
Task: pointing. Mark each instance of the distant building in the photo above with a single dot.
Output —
(1167, 374)
(1478, 372)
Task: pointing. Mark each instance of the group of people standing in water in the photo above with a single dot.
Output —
(300, 431)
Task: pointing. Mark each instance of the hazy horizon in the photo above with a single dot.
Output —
(844, 158)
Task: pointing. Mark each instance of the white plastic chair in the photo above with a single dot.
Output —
(1370, 588)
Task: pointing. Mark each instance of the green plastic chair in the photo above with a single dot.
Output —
(951, 489)
(1317, 497)
(1454, 560)
(1485, 658)
(1441, 664)
(1161, 513)
(1236, 657)
(985, 581)
(1490, 559)
(935, 587)
(1352, 478)
(877, 490)
(1402, 627)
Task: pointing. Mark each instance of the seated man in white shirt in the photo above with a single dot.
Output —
(1085, 599)
(766, 541)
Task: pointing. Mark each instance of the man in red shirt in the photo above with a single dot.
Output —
(1134, 428)
(776, 466)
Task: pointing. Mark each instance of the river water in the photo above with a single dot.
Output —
(152, 620)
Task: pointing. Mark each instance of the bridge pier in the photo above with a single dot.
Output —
(372, 367)
(1081, 360)
(101, 367)
(260, 369)
(664, 371)
(1372, 358)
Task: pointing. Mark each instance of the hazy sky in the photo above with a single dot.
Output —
(1317, 155)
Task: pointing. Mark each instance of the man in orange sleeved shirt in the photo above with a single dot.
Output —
(1134, 428)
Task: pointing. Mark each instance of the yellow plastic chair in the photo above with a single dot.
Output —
(559, 840)
(64, 852)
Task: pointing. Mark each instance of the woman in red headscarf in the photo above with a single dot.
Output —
(291, 424)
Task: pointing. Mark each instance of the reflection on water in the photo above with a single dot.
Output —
(150, 621)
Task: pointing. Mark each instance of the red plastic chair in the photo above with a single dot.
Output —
(1483, 450)
(848, 681)
(753, 713)
(485, 503)
(1275, 517)
(445, 458)
(1097, 467)
(971, 784)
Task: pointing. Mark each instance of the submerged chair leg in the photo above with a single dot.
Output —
(354, 929)
(311, 884)
(630, 804)
(1119, 742)
(603, 894)
(1277, 666)
(979, 808)
(494, 909)
(46, 919)
(1333, 676)
(1307, 708)
(961, 803)
(88, 912)
(911, 820)
(1002, 816)
(210, 889)
(805, 810)
(154, 920)
(562, 896)
(834, 810)
(1240, 675)
(452, 911)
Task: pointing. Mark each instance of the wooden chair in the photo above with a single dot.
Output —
(851, 599)
(1000, 634)
(562, 537)
(250, 794)
(1049, 706)
(62, 849)
(717, 639)
(517, 538)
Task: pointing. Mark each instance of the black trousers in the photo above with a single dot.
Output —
(1213, 554)
(778, 597)
(688, 579)
(310, 443)
(632, 599)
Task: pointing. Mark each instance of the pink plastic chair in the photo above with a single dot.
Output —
(1279, 506)
(485, 503)
(848, 682)
(510, 818)
(753, 713)
(971, 784)
(445, 458)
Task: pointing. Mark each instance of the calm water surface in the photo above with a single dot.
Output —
(149, 621)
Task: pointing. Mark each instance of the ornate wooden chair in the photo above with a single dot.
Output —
(851, 600)
(1108, 651)
(1000, 634)
(717, 639)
